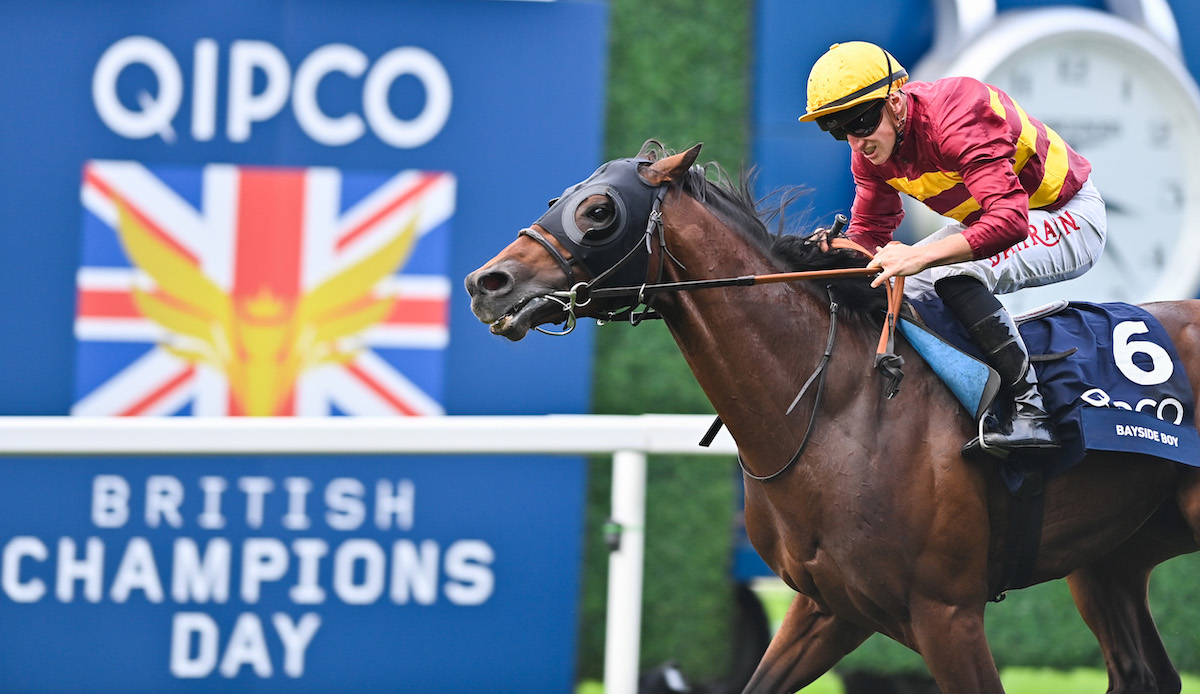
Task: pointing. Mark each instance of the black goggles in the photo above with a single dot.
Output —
(861, 124)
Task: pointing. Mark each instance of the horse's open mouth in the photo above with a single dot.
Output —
(531, 313)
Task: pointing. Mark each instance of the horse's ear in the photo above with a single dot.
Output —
(671, 168)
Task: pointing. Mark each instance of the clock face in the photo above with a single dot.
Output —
(1134, 115)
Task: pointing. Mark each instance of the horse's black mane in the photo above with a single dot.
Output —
(792, 250)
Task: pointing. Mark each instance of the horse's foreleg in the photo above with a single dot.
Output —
(951, 640)
(806, 646)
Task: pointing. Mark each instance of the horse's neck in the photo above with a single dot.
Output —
(750, 348)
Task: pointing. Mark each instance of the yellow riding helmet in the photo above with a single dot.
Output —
(850, 75)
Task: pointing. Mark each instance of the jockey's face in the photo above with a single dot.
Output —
(879, 145)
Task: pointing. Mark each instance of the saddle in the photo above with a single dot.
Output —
(1109, 374)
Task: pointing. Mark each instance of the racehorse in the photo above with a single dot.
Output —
(861, 504)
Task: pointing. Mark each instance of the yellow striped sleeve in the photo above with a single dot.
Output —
(926, 185)
(997, 105)
(963, 209)
(1026, 142)
(1056, 172)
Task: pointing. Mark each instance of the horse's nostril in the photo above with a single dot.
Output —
(493, 281)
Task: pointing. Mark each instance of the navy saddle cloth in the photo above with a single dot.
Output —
(1121, 388)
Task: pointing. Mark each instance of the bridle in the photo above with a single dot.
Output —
(614, 252)
(582, 292)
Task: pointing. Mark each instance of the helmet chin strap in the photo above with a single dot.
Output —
(899, 120)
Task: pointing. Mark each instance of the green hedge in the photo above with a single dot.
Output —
(687, 613)
(678, 73)
(1040, 627)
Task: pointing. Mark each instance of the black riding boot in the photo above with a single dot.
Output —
(1028, 428)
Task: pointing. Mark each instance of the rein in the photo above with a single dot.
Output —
(582, 293)
(818, 374)
(886, 360)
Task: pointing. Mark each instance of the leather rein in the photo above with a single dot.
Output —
(886, 361)
(582, 293)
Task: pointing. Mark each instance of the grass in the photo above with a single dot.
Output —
(1017, 680)
(1082, 681)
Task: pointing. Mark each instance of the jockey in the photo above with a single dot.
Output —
(1027, 213)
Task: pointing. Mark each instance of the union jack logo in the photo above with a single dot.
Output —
(236, 290)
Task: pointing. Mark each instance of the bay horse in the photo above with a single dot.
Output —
(878, 524)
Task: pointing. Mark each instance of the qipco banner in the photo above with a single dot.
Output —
(246, 104)
(316, 574)
(223, 207)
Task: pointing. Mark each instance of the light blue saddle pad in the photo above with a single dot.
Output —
(973, 382)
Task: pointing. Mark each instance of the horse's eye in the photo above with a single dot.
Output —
(600, 214)
(551, 203)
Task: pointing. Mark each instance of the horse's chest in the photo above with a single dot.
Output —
(786, 542)
(810, 546)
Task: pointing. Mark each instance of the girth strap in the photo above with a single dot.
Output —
(1026, 516)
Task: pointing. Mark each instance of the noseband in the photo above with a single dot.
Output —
(553, 251)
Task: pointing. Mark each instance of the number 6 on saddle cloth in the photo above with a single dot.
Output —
(1110, 375)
